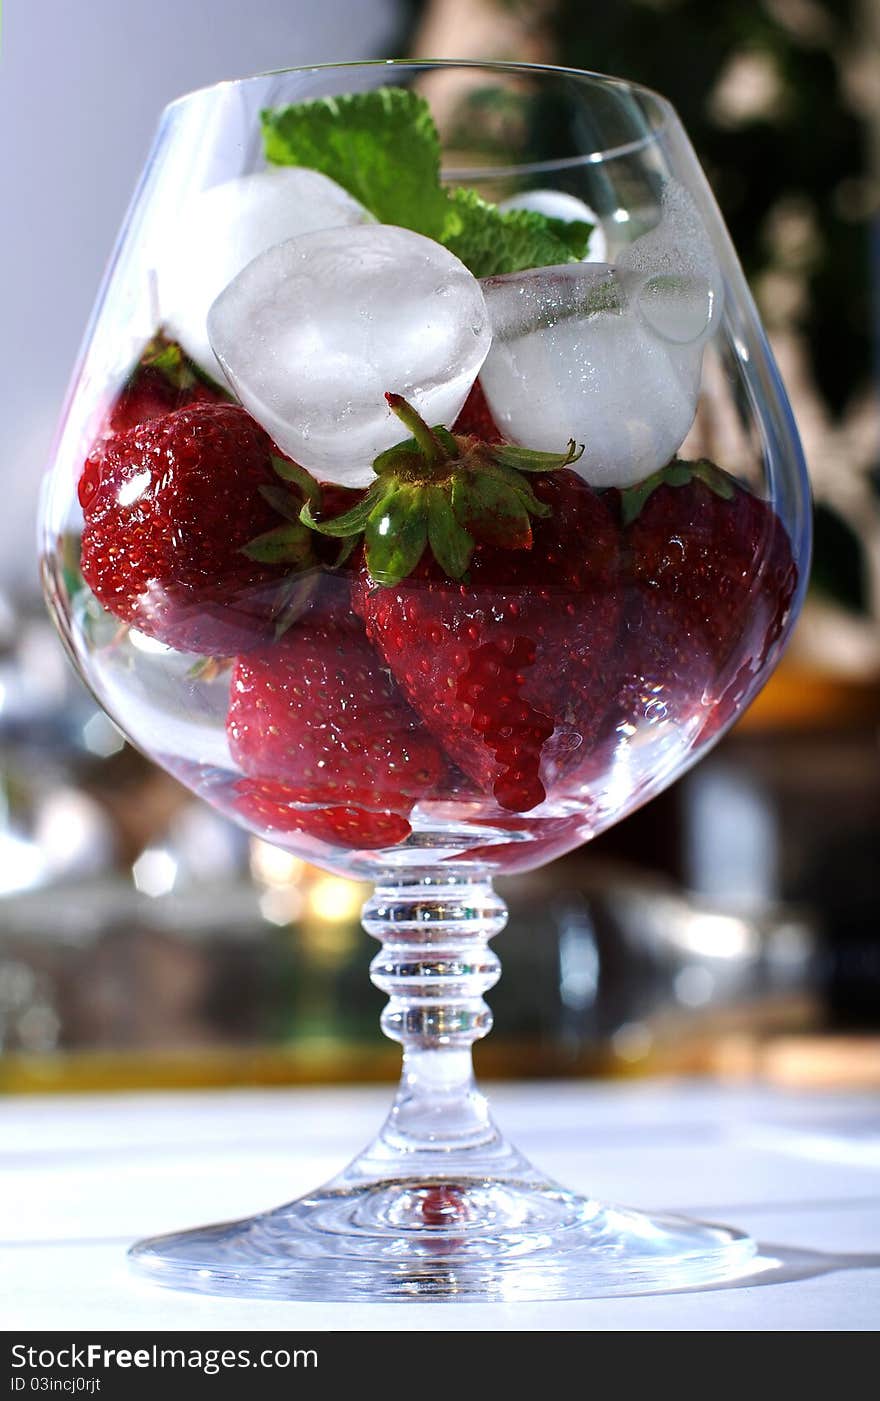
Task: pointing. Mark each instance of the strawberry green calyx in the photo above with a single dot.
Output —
(168, 359)
(445, 491)
(290, 542)
(676, 473)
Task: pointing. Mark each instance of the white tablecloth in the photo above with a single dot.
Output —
(83, 1176)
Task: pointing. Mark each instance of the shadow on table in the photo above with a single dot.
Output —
(785, 1264)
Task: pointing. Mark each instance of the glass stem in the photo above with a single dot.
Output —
(435, 964)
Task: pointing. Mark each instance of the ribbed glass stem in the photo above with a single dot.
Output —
(435, 964)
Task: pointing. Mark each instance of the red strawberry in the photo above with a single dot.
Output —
(169, 508)
(443, 1205)
(476, 417)
(318, 713)
(713, 580)
(267, 806)
(162, 381)
(498, 633)
(149, 395)
(507, 670)
(545, 839)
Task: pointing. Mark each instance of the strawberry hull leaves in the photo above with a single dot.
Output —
(283, 544)
(447, 491)
(396, 533)
(164, 379)
(289, 543)
(451, 544)
(676, 473)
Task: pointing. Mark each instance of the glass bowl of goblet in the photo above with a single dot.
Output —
(426, 500)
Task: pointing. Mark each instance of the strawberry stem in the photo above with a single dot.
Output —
(427, 440)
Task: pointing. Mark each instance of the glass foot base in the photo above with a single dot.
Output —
(447, 1239)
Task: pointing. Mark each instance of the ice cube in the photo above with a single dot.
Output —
(224, 228)
(681, 291)
(608, 355)
(315, 331)
(678, 245)
(555, 204)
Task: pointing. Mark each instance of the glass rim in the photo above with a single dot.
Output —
(655, 102)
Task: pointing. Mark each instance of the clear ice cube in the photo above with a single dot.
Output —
(610, 355)
(224, 228)
(314, 332)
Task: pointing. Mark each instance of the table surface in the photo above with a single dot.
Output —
(83, 1176)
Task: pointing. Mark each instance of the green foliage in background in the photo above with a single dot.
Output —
(774, 95)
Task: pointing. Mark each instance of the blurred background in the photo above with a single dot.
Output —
(730, 927)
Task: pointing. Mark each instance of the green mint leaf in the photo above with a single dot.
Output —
(574, 233)
(491, 241)
(380, 146)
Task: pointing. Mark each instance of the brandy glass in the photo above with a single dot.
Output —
(426, 500)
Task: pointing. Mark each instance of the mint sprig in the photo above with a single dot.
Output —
(491, 241)
(382, 147)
